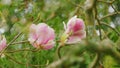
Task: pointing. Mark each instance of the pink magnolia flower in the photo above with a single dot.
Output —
(75, 30)
(2, 42)
(41, 36)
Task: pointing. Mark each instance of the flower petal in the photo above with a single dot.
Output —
(43, 34)
(49, 45)
(3, 43)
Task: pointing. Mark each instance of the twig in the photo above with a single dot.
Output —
(14, 38)
(37, 19)
(95, 61)
(114, 8)
(58, 51)
(65, 62)
(21, 42)
(59, 48)
(106, 46)
(89, 16)
(109, 15)
(22, 50)
(57, 63)
(111, 28)
(11, 42)
(75, 4)
(96, 17)
(23, 63)
(109, 2)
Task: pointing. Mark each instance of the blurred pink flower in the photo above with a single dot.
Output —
(2, 42)
(75, 29)
(42, 36)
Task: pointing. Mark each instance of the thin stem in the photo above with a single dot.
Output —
(58, 63)
(109, 2)
(58, 51)
(59, 48)
(96, 17)
(109, 15)
(37, 19)
(21, 42)
(105, 46)
(11, 42)
(95, 61)
(22, 50)
(114, 8)
(111, 28)
(23, 63)
(75, 4)
(14, 38)
(14, 60)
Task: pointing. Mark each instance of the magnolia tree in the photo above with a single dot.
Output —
(89, 39)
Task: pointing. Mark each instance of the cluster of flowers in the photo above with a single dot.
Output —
(42, 36)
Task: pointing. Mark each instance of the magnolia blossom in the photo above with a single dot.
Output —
(41, 36)
(75, 30)
(2, 42)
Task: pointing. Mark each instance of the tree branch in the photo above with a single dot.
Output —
(109, 15)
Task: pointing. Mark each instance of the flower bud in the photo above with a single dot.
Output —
(2, 42)
(42, 36)
(75, 30)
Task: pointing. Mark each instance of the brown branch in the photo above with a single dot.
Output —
(66, 61)
(11, 42)
(94, 62)
(105, 47)
(98, 21)
(22, 50)
(21, 42)
(58, 63)
(14, 39)
(37, 19)
(89, 16)
(118, 33)
(14, 60)
(114, 8)
(109, 15)
(76, 5)
(106, 2)
(58, 51)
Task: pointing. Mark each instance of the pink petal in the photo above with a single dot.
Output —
(3, 43)
(49, 45)
(73, 39)
(32, 36)
(81, 34)
(77, 37)
(79, 25)
(71, 23)
(43, 34)
(75, 30)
